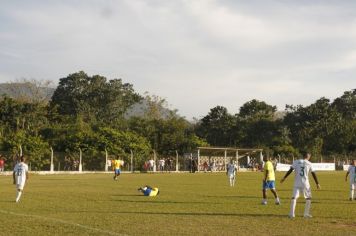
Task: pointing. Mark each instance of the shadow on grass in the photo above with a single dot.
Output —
(205, 214)
(57, 179)
(237, 197)
(151, 200)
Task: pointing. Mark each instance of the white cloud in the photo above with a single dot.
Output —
(196, 54)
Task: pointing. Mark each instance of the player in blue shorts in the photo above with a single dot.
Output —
(269, 181)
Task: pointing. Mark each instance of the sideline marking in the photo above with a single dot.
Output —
(63, 222)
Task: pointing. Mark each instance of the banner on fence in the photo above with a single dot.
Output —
(316, 167)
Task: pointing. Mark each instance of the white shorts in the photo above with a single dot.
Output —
(20, 186)
(306, 192)
(231, 176)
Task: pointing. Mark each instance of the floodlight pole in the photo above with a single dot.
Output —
(198, 158)
(52, 165)
(20, 147)
(132, 170)
(154, 159)
(106, 160)
(177, 169)
(225, 157)
(80, 160)
(237, 158)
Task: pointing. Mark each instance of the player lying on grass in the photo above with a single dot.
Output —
(302, 168)
(20, 175)
(149, 191)
(352, 172)
(269, 181)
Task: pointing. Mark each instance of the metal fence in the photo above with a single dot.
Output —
(101, 161)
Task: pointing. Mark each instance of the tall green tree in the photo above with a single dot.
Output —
(93, 97)
(216, 127)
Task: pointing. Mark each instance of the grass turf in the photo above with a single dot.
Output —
(188, 204)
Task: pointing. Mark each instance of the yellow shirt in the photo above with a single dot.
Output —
(153, 192)
(117, 164)
(269, 168)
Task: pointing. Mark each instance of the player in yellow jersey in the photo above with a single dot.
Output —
(269, 181)
(117, 167)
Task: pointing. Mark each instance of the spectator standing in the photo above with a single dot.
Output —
(2, 163)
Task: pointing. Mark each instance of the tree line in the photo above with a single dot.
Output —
(323, 128)
(92, 113)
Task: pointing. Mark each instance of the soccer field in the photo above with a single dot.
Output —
(188, 204)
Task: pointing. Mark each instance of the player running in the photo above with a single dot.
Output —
(20, 175)
(231, 172)
(302, 169)
(269, 181)
(117, 167)
(352, 172)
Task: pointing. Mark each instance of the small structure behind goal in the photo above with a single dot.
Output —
(216, 158)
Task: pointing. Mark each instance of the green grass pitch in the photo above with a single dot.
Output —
(188, 204)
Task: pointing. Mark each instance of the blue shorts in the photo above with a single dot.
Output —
(117, 171)
(269, 184)
(147, 192)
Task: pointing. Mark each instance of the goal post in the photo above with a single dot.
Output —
(217, 158)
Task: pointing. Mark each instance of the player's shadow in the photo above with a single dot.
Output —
(236, 197)
(128, 195)
(205, 214)
(151, 200)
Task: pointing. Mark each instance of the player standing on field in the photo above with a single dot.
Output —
(231, 172)
(302, 168)
(20, 175)
(269, 181)
(352, 172)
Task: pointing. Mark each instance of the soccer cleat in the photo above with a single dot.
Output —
(291, 216)
(278, 202)
(264, 202)
(350, 199)
(308, 216)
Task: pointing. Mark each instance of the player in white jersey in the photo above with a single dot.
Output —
(302, 169)
(352, 173)
(231, 172)
(20, 175)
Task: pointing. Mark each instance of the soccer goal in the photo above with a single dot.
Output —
(216, 158)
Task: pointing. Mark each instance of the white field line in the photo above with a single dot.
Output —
(63, 222)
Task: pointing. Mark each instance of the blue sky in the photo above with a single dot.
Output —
(194, 53)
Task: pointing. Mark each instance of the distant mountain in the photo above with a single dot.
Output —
(145, 107)
(26, 91)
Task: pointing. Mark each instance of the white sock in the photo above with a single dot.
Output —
(277, 199)
(352, 194)
(293, 203)
(307, 207)
(18, 196)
